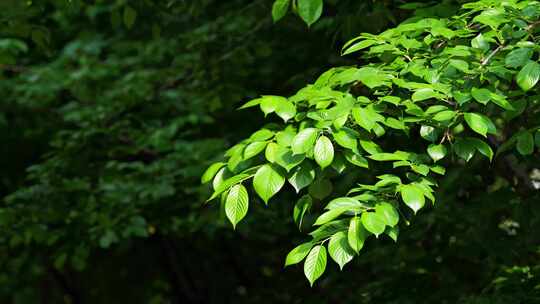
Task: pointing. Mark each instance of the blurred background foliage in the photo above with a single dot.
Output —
(110, 112)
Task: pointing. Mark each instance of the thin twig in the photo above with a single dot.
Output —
(488, 58)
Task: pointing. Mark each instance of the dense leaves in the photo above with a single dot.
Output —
(434, 78)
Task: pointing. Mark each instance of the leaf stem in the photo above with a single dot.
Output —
(488, 58)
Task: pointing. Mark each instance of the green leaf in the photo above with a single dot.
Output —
(286, 159)
(388, 213)
(357, 234)
(209, 174)
(345, 202)
(279, 9)
(423, 94)
(480, 124)
(373, 77)
(373, 222)
(302, 206)
(356, 159)
(392, 232)
(483, 96)
(358, 46)
(284, 138)
(493, 17)
(304, 140)
(254, 148)
(286, 110)
(437, 152)
(236, 205)
(220, 177)
(271, 152)
(479, 42)
(482, 147)
(339, 249)
(251, 103)
(429, 133)
(329, 229)
(324, 152)
(363, 118)
(528, 76)
(130, 15)
(502, 102)
(299, 252)
(228, 183)
(370, 147)
(270, 103)
(302, 176)
(413, 196)
(329, 216)
(310, 10)
(315, 263)
(261, 135)
(525, 143)
(465, 149)
(268, 180)
(518, 57)
(444, 115)
(346, 138)
(537, 138)
(320, 189)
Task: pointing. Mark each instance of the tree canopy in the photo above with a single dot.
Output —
(389, 148)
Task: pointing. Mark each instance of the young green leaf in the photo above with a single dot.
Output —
(363, 118)
(324, 152)
(228, 183)
(279, 9)
(286, 159)
(268, 180)
(529, 75)
(300, 208)
(413, 196)
(373, 222)
(388, 213)
(482, 95)
(286, 110)
(298, 253)
(302, 176)
(236, 205)
(339, 249)
(271, 103)
(253, 149)
(482, 147)
(444, 115)
(436, 152)
(429, 133)
(356, 159)
(392, 232)
(304, 140)
(346, 138)
(310, 10)
(315, 263)
(480, 124)
(464, 148)
(329, 216)
(357, 234)
(209, 174)
(518, 57)
(423, 94)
